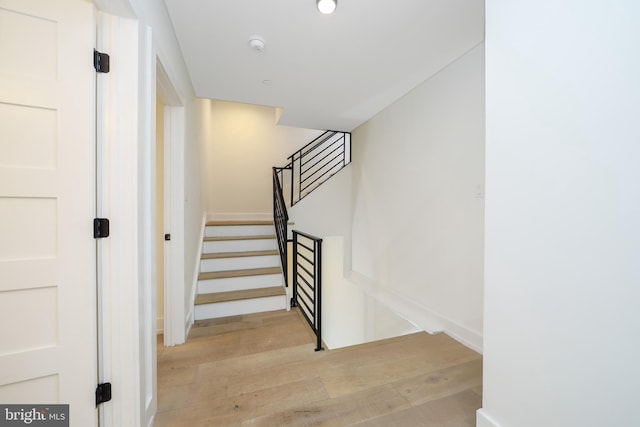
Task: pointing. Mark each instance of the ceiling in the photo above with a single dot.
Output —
(325, 71)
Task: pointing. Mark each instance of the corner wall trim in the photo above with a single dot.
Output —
(484, 420)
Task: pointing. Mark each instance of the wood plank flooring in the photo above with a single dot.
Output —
(262, 370)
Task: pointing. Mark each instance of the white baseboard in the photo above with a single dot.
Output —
(196, 271)
(159, 325)
(194, 286)
(484, 420)
(420, 316)
(239, 216)
(189, 322)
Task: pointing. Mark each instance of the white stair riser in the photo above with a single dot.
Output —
(238, 230)
(236, 308)
(239, 246)
(239, 283)
(242, 263)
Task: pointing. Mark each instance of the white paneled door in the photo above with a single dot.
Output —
(47, 204)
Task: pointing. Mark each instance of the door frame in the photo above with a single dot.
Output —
(127, 264)
(120, 261)
(174, 131)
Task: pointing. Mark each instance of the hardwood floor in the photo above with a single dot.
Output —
(261, 370)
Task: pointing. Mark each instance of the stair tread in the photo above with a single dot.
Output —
(239, 273)
(226, 238)
(220, 255)
(239, 295)
(238, 222)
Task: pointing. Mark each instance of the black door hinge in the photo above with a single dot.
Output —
(167, 237)
(100, 61)
(100, 228)
(103, 393)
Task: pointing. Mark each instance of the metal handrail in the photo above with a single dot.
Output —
(280, 220)
(307, 280)
(328, 147)
(310, 167)
(317, 162)
(319, 140)
(327, 171)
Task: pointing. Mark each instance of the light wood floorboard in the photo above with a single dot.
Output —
(262, 370)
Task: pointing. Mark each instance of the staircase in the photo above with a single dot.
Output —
(240, 270)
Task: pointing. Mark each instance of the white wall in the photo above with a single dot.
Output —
(327, 212)
(418, 175)
(242, 144)
(350, 316)
(193, 207)
(562, 214)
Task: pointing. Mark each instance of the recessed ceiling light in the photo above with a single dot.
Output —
(326, 6)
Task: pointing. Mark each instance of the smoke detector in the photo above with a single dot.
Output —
(256, 44)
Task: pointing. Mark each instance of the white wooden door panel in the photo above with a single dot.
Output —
(47, 200)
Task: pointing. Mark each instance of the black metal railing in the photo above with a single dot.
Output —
(309, 168)
(280, 220)
(307, 280)
(318, 161)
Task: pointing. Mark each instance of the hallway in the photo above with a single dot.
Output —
(261, 370)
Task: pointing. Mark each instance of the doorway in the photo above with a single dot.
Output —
(128, 262)
(160, 217)
(170, 178)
